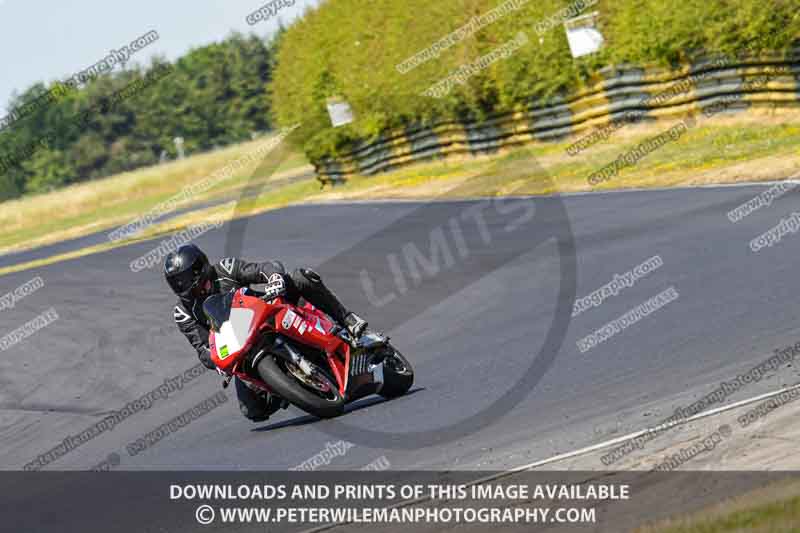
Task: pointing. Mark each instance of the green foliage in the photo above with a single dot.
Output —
(350, 49)
(214, 96)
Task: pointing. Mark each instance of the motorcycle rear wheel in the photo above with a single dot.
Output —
(305, 396)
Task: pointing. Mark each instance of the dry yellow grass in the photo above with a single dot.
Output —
(747, 146)
(772, 509)
(92, 206)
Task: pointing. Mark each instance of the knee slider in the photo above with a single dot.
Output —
(253, 414)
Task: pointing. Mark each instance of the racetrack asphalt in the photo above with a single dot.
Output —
(470, 332)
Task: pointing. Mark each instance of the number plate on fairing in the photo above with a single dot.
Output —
(288, 319)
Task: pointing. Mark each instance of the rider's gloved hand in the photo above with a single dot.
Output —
(275, 286)
(205, 358)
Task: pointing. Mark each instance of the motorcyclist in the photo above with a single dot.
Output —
(193, 278)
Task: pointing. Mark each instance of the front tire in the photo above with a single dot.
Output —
(299, 394)
(398, 374)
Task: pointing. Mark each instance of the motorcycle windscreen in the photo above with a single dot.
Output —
(218, 309)
(234, 334)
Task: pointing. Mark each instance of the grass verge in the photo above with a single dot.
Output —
(102, 204)
(771, 509)
(746, 147)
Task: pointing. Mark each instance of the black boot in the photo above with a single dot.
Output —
(355, 325)
(257, 405)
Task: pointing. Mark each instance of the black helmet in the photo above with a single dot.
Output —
(188, 271)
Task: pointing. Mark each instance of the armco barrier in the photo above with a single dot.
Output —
(614, 93)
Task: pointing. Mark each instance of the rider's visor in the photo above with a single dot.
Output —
(183, 282)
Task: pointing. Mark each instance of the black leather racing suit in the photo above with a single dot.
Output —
(233, 273)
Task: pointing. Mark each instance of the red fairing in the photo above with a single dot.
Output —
(305, 325)
(261, 311)
(309, 326)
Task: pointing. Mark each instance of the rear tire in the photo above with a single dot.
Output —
(398, 374)
(297, 394)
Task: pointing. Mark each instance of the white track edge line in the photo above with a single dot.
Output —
(587, 449)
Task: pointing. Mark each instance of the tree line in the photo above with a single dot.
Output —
(388, 59)
(213, 96)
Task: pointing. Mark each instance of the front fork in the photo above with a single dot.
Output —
(364, 377)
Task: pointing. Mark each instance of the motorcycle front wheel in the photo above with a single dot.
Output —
(316, 394)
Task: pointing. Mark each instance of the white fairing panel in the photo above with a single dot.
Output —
(235, 332)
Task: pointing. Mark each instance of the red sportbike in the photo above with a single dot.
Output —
(300, 354)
